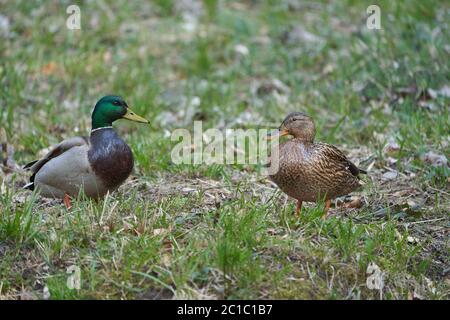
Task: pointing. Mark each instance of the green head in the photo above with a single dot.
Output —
(111, 108)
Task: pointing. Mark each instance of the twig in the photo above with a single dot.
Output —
(425, 221)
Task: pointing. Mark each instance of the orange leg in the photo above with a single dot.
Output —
(327, 207)
(67, 201)
(299, 208)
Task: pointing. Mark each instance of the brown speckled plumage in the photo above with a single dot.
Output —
(310, 171)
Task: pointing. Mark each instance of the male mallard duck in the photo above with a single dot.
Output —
(95, 164)
(310, 171)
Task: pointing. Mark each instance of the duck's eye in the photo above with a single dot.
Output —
(116, 103)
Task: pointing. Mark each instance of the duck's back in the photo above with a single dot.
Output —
(313, 171)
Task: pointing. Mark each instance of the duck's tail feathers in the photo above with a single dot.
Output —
(362, 171)
(29, 165)
(29, 186)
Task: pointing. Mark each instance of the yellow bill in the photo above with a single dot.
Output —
(130, 115)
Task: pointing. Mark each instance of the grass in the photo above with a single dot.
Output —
(223, 231)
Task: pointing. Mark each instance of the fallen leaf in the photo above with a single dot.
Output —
(436, 160)
(355, 202)
(391, 161)
(414, 206)
(398, 235)
(187, 189)
(370, 166)
(107, 56)
(389, 175)
(402, 193)
(447, 281)
(329, 68)
(166, 260)
(391, 146)
(349, 202)
(49, 69)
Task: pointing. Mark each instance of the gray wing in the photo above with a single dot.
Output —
(59, 149)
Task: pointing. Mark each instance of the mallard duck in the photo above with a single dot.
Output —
(95, 164)
(311, 171)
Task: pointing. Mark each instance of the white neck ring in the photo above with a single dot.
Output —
(93, 130)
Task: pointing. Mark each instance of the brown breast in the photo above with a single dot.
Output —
(110, 157)
(311, 171)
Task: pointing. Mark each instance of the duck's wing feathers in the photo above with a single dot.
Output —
(338, 156)
(59, 149)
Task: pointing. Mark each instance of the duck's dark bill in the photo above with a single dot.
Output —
(130, 115)
(276, 133)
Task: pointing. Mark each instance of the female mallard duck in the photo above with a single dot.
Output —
(310, 171)
(95, 164)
